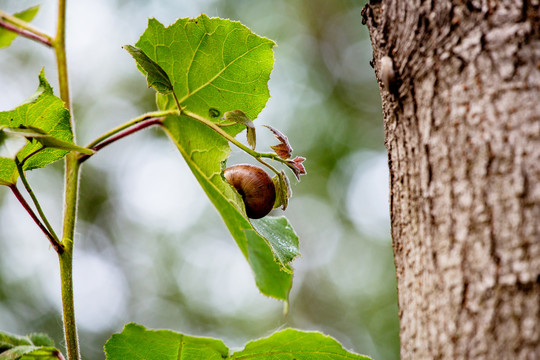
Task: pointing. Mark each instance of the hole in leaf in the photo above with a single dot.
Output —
(214, 113)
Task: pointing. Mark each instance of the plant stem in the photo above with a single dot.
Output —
(139, 126)
(70, 197)
(54, 243)
(66, 259)
(35, 201)
(23, 28)
(59, 44)
(144, 117)
(219, 130)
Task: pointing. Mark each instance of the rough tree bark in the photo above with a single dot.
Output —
(462, 128)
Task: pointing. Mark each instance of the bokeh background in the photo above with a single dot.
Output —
(150, 248)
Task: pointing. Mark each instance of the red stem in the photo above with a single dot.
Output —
(55, 244)
(139, 126)
(25, 33)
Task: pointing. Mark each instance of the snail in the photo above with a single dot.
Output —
(255, 186)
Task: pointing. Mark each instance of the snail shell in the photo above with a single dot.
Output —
(255, 186)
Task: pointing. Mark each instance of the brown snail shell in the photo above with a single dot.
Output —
(255, 186)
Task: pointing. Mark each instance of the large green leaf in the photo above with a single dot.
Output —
(216, 66)
(291, 344)
(7, 36)
(136, 342)
(42, 113)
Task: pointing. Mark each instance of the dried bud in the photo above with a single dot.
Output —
(283, 149)
(297, 167)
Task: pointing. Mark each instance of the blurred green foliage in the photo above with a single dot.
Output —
(136, 262)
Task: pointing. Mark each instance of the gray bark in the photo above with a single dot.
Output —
(462, 128)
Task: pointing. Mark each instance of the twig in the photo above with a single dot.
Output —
(23, 28)
(144, 117)
(54, 243)
(139, 126)
(35, 200)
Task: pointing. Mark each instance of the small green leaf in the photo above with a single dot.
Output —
(7, 341)
(41, 339)
(29, 352)
(136, 342)
(291, 344)
(43, 111)
(155, 76)
(34, 346)
(238, 117)
(281, 236)
(7, 36)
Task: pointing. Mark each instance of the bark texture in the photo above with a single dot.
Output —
(462, 127)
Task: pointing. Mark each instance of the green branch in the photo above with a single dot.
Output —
(54, 243)
(138, 126)
(37, 205)
(135, 121)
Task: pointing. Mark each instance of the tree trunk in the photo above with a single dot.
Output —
(462, 129)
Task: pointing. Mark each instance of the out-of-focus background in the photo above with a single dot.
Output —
(150, 247)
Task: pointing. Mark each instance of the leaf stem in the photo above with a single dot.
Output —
(217, 128)
(120, 135)
(35, 201)
(23, 28)
(54, 243)
(144, 117)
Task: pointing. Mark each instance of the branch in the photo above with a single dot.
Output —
(23, 28)
(34, 198)
(144, 117)
(120, 135)
(54, 243)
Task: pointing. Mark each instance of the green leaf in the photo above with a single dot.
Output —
(204, 152)
(41, 339)
(136, 342)
(7, 36)
(33, 346)
(281, 236)
(155, 76)
(7, 341)
(46, 113)
(291, 344)
(28, 352)
(215, 66)
(238, 117)
(48, 141)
